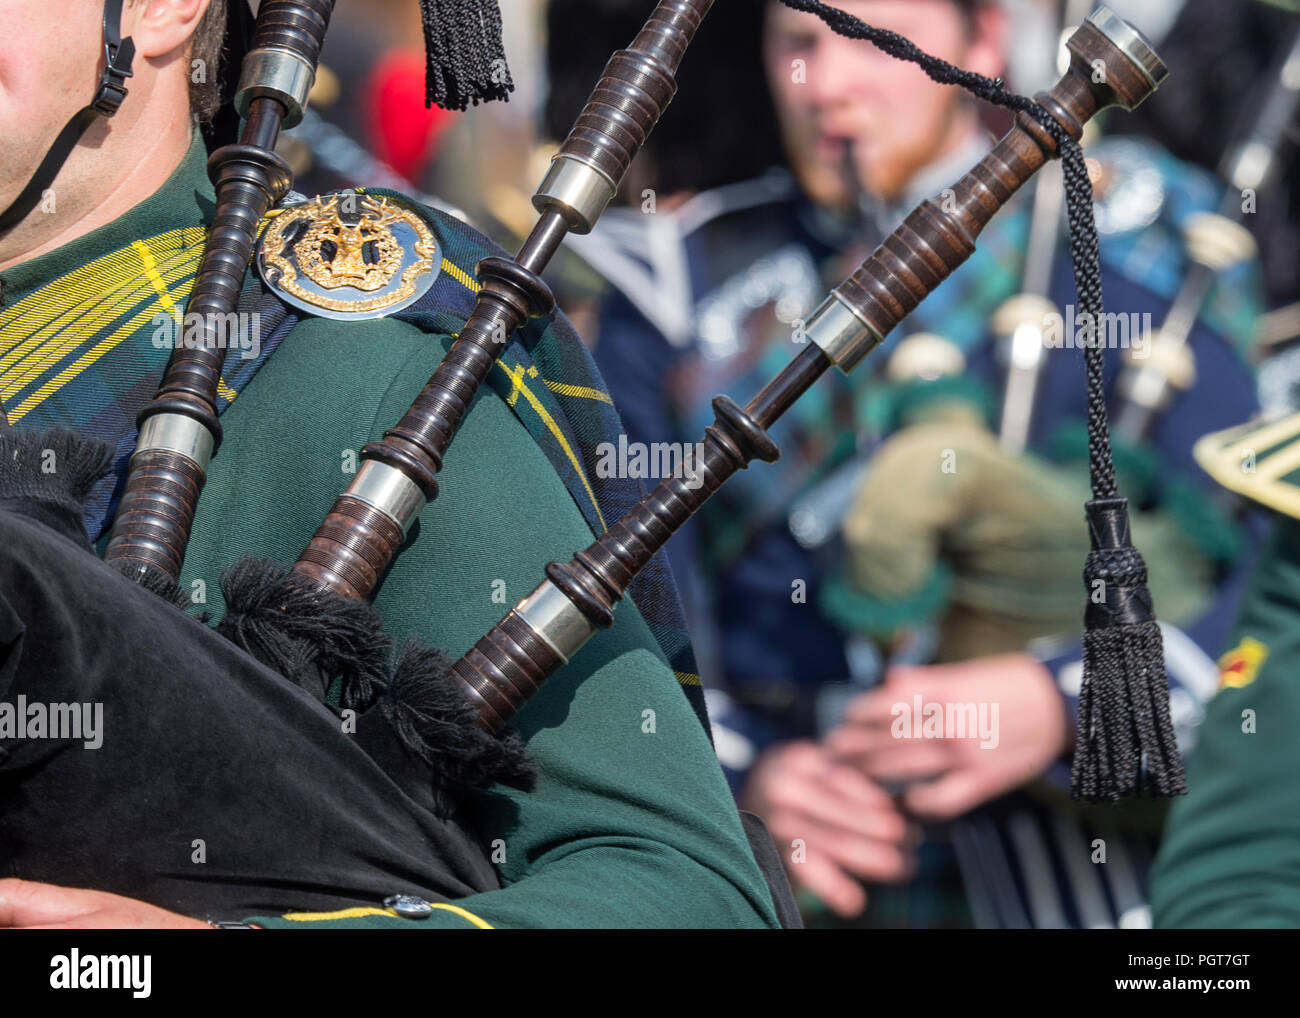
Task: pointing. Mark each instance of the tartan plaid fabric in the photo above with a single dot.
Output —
(87, 349)
(813, 436)
(818, 434)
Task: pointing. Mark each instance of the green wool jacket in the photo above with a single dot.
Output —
(1230, 857)
(1231, 853)
(631, 824)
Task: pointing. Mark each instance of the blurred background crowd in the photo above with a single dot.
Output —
(921, 535)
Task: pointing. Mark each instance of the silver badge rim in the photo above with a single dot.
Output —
(270, 275)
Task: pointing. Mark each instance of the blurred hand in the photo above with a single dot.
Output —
(949, 775)
(832, 824)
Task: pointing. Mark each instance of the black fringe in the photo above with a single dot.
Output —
(436, 722)
(157, 582)
(48, 473)
(465, 61)
(310, 635)
(307, 633)
(1125, 736)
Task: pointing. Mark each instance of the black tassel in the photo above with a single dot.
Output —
(1125, 738)
(307, 633)
(435, 722)
(47, 474)
(1125, 741)
(465, 61)
(157, 582)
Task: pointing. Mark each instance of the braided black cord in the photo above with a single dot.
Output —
(1084, 254)
(1125, 732)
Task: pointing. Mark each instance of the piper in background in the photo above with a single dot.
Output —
(786, 612)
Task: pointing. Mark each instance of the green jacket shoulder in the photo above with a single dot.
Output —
(632, 823)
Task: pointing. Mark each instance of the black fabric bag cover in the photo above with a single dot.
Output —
(220, 790)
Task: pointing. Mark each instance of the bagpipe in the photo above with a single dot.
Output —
(312, 816)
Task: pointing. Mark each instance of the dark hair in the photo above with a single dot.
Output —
(721, 129)
(205, 49)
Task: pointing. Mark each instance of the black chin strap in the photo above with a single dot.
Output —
(118, 54)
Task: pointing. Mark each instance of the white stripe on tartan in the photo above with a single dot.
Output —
(1045, 904)
(1086, 887)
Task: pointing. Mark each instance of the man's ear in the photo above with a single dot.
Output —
(161, 27)
(987, 52)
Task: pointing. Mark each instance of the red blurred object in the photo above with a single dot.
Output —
(402, 132)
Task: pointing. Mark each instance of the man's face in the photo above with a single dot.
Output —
(846, 93)
(50, 53)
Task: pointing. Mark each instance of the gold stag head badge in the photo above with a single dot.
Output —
(349, 255)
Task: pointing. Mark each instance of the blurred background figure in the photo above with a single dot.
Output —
(368, 123)
(922, 533)
(921, 530)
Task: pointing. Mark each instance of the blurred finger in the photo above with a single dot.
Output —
(842, 801)
(868, 858)
(842, 894)
(907, 761)
(875, 708)
(950, 796)
(853, 739)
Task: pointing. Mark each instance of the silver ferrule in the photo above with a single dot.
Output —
(1146, 386)
(553, 617)
(1216, 241)
(275, 74)
(579, 189)
(388, 490)
(178, 433)
(844, 336)
(1128, 40)
(1250, 165)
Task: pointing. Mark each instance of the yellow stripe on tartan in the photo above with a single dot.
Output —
(460, 275)
(518, 387)
(37, 355)
(151, 271)
(517, 382)
(92, 280)
(76, 300)
(581, 391)
(164, 298)
(73, 308)
(359, 913)
(55, 321)
(12, 384)
(687, 678)
(80, 365)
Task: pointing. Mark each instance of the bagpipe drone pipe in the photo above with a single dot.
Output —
(431, 728)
